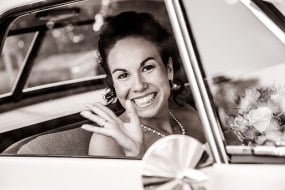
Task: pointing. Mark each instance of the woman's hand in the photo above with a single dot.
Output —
(129, 136)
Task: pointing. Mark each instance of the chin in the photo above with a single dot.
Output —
(150, 112)
(146, 114)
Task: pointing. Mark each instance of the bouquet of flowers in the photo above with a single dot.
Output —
(258, 116)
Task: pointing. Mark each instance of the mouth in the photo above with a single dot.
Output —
(144, 100)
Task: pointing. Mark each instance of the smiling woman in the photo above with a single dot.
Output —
(140, 59)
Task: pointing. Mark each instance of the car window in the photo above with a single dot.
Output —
(12, 58)
(66, 53)
(64, 50)
(67, 50)
(244, 62)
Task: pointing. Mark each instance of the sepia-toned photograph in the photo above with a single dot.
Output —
(132, 94)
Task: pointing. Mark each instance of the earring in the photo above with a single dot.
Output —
(174, 86)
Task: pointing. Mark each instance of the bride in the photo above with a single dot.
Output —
(140, 61)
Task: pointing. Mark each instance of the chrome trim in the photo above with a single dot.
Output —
(264, 19)
(266, 150)
(269, 150)
(198, 88)
(27, 65)
(61, 83)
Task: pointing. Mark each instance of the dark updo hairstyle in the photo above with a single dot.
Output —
(133, 24)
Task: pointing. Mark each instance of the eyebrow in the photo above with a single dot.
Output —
(142, 64)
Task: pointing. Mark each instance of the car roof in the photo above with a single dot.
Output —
(15, 3)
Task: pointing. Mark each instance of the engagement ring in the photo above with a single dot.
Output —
(104, 122)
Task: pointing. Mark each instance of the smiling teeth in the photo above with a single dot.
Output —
(144, 101)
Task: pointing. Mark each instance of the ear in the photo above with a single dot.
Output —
(169, 68)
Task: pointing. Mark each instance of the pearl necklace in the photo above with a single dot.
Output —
(149, 129)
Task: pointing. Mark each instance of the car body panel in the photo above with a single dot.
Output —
(69, 173)
(94, 173)
(245, 176)
(17, 3)
(49, 110)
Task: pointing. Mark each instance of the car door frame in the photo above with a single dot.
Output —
(193, 68)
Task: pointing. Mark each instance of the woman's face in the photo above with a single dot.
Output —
(139, 75)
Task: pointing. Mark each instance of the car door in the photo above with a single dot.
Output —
(234, 53)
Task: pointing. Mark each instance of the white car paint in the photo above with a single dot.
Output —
(46, 173)
(6, 5)
(245, 176)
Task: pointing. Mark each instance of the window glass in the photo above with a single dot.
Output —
(244, 64)
(66, 53)
(11, 60)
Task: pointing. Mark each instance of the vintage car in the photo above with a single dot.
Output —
(233, 59)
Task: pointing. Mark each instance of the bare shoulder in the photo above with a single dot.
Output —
(101, 145)
(189, 118)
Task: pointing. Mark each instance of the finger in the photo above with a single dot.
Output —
(98, 130)
(95, 118)
(132, 113)
(102, 111)
(109, 112)
(106, 109)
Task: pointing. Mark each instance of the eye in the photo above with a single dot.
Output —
(148, 68)
(122, 76)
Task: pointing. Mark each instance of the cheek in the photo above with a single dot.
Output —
(166, 88)
(163, 82)
(121, 90)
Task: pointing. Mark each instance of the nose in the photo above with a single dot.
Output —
(139, 83)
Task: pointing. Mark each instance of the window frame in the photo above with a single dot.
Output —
(193, 68)
(269, 15)
(18, 91)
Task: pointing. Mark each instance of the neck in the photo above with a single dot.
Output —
(161, 122)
